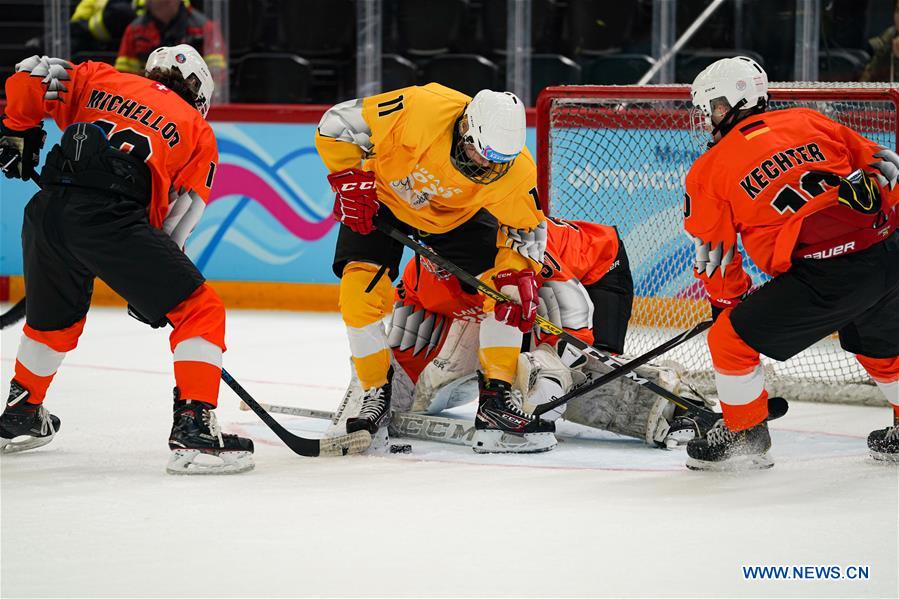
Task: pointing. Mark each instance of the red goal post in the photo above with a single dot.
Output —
(619, 155)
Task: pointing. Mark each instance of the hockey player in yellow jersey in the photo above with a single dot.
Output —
(452, 171)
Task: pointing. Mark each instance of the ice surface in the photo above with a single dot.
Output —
(94, 514)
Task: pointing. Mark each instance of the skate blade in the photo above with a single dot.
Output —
(341, 445)
(888, 458)
(12, 446)
(679, 438)
(495, 441)
(735, 464)
(185, 461)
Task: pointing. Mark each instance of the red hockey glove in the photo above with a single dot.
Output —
(520, 285)
(357, 199)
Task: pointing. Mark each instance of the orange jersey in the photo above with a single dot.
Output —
(762, 180)
(139, 115)
(574, 250)
(578, 250)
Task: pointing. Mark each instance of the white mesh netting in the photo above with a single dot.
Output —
(618, 156)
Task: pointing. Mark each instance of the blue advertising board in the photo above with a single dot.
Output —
(269, 214)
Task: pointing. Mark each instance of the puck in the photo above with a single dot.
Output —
(400, 448)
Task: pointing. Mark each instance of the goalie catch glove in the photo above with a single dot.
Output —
(20, 151)
(356, 202)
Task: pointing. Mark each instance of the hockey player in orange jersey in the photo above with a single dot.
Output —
(814, 205)
(120, 194)
(453, 171)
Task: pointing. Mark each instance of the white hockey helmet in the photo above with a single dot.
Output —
(186, 60)
(740, 81)
(495, 129)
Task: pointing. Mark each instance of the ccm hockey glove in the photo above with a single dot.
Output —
(20, 151)
(357, 199)
(520, 285)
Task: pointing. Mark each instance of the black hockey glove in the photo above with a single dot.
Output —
(20, 151)
(860, 192)
(158, 324)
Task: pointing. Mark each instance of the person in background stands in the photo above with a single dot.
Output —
(884, 51)
(169, 23)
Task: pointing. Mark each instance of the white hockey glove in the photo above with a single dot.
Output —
(185, 211)
(888, 167)
(530, 243)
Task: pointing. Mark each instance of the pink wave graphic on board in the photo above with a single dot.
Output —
(232, 179)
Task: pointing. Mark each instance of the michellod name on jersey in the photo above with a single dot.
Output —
(132, 109)
(771, 168)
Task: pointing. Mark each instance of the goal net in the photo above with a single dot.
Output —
(619, 155)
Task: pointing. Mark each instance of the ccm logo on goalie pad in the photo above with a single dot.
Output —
(355, 185)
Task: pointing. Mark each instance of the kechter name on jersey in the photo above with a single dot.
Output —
(777, 165)
(132, 109)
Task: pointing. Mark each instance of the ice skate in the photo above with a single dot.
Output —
(502, 426)
(195, 434)
(375, 413)
(723, 449)
(688, 425)
(884, 444)
(23, 419)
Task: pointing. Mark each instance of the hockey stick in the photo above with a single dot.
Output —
(356, 442)
(777, 406)
(292, 411)
(545, 324)
(623, 369)
(424, 427)
(13, 315)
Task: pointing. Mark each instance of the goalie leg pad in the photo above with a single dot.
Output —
(450, 379)
(543, 375)
(626, 408)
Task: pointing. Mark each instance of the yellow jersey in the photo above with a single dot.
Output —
(406, 140)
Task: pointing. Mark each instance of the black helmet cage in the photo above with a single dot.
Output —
(483, 175)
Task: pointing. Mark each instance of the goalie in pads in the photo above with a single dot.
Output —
(586, 288)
